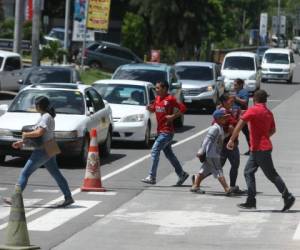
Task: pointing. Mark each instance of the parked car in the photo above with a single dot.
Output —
(49, 74)
(109, 56)
(10, 70)
(153, 72)
(57, 34)
(278, 64)
(296, 44)
(260, 51)
(202, 84)
(128, 100)
(79, 108)
(243, 65)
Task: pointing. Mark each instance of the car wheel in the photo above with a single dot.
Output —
(84, 151)
(2, 158)
(105, 148)
(290, 80)
(95, 65)
(147, 142)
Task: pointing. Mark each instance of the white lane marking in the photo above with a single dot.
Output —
(274, 100)
(102, 193)
(3, 189)
(130, 165)
(5, 210)
(58, 217)
(172, 222)
(297, 233)
(46, 191)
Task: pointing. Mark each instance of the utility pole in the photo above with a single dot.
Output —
(84, 35)
(67, 22)
(36, 25)
(19, 7)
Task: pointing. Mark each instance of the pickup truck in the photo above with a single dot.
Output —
(10, 70)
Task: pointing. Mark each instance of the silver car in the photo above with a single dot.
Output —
(202, 84)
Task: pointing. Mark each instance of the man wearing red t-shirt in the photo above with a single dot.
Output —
(164, 108)
(262, 127)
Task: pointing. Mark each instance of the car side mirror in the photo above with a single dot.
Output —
(21, 81)
(91, 110)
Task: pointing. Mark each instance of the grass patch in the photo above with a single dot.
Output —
(91, 75)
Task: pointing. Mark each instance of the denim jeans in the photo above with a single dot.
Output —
(163, 142)
(38, 158)
(234, 158)
(264, 160)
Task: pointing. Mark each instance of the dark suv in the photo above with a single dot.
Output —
(109, 56)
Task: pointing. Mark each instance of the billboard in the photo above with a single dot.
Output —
(79, 22)
(263, 25)
(98, 15)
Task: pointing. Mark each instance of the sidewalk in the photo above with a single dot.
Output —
(167, 217)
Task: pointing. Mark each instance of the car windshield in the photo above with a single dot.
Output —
(63, 101)
(148, 75)
(277, 58)
(202, 73)
(57, 34)
(122, 94)
(239, 63)
(48, 75)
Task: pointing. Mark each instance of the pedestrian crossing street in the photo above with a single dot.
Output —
(208, 215)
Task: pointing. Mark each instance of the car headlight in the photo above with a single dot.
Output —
(5, 132)
(210, 88)
(66, 134)
(286, 70)
(134, 118)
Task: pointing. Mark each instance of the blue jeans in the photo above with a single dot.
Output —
(163, 142)
(37, 159)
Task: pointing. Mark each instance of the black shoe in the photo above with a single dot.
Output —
(182, 178)
(66, 202)
(149, 180)
(288, 202)
(248, 205)
(247, 153)
(236, 190)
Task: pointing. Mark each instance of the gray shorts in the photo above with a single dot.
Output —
(212, 166)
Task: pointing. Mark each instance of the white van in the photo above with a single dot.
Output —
(296, 44)
(278, 64)
(243, 65)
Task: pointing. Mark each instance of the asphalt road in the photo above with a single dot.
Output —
(121, 174)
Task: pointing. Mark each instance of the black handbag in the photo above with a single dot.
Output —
(31, 143)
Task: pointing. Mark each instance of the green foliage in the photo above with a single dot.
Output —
(133, 33)
(7, 28)
(91, 75)
(53, 51)
(27, 30)
(169, 54)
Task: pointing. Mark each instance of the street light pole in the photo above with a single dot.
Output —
(84, 35)
(19, 6)
(36, 24)
(67, 22)
(278, 18)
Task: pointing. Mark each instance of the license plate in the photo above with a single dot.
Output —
(187, 100)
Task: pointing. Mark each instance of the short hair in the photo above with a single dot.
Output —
(224, 98)
(260, 96)
(239, 81)
(164, 84)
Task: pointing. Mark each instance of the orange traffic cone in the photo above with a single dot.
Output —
(92, 179)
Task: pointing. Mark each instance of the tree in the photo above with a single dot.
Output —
(54, 52)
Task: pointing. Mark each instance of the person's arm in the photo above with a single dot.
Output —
(235, 134)
(34, 134)
(272, 131)
(242, 102)
(181, 108)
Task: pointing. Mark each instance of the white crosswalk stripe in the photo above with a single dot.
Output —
(57, 217)
(54, 191)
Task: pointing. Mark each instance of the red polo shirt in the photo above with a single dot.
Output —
(261, 121)
(163, 107)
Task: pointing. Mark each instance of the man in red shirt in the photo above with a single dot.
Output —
(164, 108)
(262, 127)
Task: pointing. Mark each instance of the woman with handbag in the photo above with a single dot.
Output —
(44, 155)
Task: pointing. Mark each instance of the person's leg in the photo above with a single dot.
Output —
(53, 169)
(224, 184)
(234, 159)
(36, 160)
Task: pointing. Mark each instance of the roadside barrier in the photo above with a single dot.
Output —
(16, 232)
(92, 179)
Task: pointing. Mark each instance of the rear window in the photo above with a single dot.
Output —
(49, 75)
(93, 46)
(239, 63)
(152, 76)
(276, 58)
(194, 73)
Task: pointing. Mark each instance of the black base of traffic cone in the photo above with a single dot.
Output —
(19, 248)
